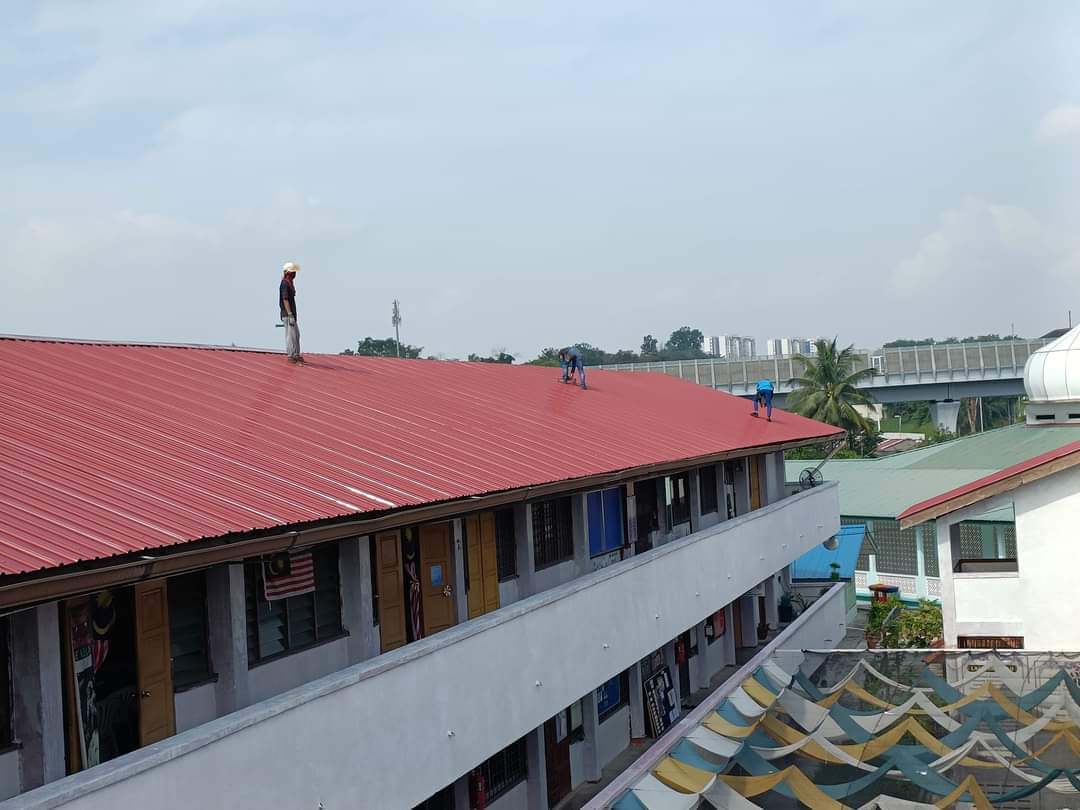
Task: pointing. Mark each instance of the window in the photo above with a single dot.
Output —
(612, 696)
(710, 500)
(729, 489)
(286, 625)
(648, 513)
(983, 547)
(990, 642)
(373, 570)
(505, 544)
(504, 770)
(678, 498)
(553, 532)
(606, 525)
(188, 630)
(7, 734)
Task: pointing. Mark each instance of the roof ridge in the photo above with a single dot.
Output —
(149, 344)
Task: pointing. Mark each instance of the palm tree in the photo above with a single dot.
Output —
(827, 390)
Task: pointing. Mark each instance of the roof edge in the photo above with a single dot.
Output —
(148, 344)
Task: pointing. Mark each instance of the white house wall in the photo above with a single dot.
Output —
(452, 700)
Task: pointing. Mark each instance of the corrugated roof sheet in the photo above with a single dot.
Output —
(815, 564)
(885, 487)
(111, 449)
(1001, 475)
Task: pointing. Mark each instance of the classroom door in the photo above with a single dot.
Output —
(483, 584)
(736, 619)
(436, 578)
(154, 662)
(755, 482)
(391, 590)
(557, 756)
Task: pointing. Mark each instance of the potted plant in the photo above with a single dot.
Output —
(787, 609)
(762, 630)
(835, 573)
(882, 625)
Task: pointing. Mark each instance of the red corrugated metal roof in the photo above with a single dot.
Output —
(112, 449)
(993, 478)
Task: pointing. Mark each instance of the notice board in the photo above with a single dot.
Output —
(660, 706)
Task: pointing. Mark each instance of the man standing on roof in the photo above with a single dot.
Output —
(764, 397)
(570, 360)
(287, 302)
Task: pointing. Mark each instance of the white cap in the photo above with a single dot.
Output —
(291, 267)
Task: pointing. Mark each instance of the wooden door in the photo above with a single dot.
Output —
(755, 482)
(391, 590)
(436, 578)
(157, 718)
(557, 757)
(483, 595)
(736, 619)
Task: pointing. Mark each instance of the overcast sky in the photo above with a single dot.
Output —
(523, 174)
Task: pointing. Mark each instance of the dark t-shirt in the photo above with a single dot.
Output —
(286, 292)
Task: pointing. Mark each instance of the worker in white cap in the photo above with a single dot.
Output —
(287, 301)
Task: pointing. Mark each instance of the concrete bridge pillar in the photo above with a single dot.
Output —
(944, 414)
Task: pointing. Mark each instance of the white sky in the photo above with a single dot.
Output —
(538, 173)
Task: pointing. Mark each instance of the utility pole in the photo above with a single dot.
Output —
(396, 320)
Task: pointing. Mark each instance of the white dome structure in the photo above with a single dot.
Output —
(1052, 381)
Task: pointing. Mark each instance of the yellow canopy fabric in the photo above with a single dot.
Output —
(969, 785)
(682, 777)
(805, 790)
(758, 692)
(714, 722)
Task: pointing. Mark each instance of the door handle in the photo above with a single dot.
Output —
(446, 591)
(145, 693)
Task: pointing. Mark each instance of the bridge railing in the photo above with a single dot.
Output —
(939, 362)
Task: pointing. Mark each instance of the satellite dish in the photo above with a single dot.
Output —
(810, 477)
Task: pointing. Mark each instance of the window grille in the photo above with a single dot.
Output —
(505, 544)
(553, 532)
(504, 771)
(710, 501)
(188, 629)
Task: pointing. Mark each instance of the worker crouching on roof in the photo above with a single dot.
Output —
(764, 397)
(287, 302)
(570, 361)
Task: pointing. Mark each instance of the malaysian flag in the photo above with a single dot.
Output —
(288, 574)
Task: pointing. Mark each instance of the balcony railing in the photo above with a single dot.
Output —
(394, 730)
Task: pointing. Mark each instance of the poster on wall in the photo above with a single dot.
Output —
(80, 629)
(661, 709)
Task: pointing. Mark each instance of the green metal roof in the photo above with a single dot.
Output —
(885, 487)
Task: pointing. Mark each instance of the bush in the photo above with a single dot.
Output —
(917, 627)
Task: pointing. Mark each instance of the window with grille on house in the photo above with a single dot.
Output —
(505, 544)
(987, 546)
(678, 498)
(613, 695)
(710, 498)
(281, 626)
(7, 733)
(552, 531)
(188, 630)
(504, 771)
(606, 524)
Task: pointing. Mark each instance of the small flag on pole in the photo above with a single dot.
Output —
(288, 574)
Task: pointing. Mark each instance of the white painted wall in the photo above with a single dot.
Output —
(10, 783)
(822, 627)
(196, 706)
(513, 659)
(1038, 601)
(514, 799)
(274, 677)
(614, 736)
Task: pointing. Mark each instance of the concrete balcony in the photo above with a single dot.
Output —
(394, 730)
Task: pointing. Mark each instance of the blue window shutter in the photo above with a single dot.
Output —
(613, 519)
(595, 508)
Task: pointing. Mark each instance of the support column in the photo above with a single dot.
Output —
(461, 596)
(461, 793)
(227, 614)
(920, 564)
(37, 695)
(637, 703)
(356, 612)
(579, 522)
(871, 573)
(661, 511)
(772, 603)
(729, 636)
(944, 414)
(524, 546)
(536, 793)
(590, 753)
(695, 500)
(748, 614)
(702, 657)
(775, 479)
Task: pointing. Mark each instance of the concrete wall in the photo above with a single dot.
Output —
(514, 799)
(10, 780)
(1037, 601)
(196, 706)
(822, 627)
(283, 674)
(513, 659)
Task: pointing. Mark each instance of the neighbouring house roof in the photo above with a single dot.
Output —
(1025, 472)
(816, 563)
(114, 449)
(885, 487)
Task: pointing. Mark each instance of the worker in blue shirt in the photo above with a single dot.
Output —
(764, 397)
(570, 361)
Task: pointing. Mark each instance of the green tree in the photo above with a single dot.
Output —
(828, 389)
(650, 345)
(685, 339)
(501, 357)
(548, 356)
(384, 347)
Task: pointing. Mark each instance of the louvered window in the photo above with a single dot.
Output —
(188, 630)
(553, 532)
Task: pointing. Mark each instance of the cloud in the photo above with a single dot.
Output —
(1060, 124)
(990, 264)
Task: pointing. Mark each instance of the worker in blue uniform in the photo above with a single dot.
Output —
(570, 360)
(764, 396)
